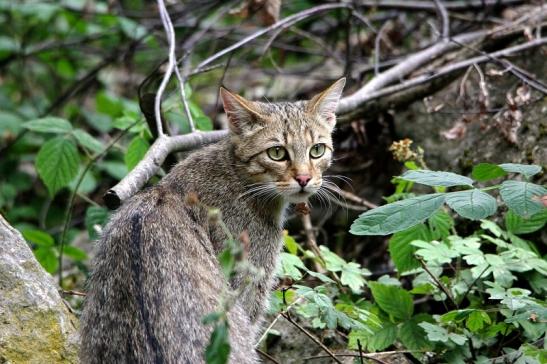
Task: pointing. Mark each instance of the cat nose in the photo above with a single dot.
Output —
(302, 179)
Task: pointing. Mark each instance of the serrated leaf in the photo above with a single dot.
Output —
(74, 253)
(440, 224)
(402, 252)
(380, 339)
(290, 265)
(135, 152)
(523, 197)
(528, 170)
(434, 332)
(47, 258)
(86, 140)
(393, 300)
(38, 237)
(472, 204)
(290, 244)
(476, 320)
(218, 348)
(486, 171)
(520, 225)
(57, 163)
(436, 178)
(397, 216)
(412, 336)
(352, 276)
(49, 124)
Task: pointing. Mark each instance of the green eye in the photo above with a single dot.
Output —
(317, 150)
(277, 153)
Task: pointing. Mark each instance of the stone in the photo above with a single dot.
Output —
(35, 324)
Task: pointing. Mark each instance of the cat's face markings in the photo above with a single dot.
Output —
(284, 147)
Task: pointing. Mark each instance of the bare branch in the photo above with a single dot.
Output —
(284, 23)
(153, 160)
(445, 22)
(428, 5)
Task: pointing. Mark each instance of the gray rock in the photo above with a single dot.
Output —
(35, 324)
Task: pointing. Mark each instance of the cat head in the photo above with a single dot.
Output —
(284, 148)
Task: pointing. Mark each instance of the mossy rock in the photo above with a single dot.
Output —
(35, 324)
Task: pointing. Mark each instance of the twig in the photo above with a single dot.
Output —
(286, 22)
(312, 337)
(274, 321)
(427, 5)
(445, 22)
(73, 293)
(377, 41)
(168, 26)
(153, 160)
(310, 241)
(352, 104)
(439, 284)
(267, 356)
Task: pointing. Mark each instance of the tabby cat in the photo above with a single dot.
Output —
(156, 273)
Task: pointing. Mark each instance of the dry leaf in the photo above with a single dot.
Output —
(267, 10)
(456, 132)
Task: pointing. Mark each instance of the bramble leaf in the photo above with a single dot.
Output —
(520, 225)
(436, 178)
(528, 170)
(472, 204)
(523, 197)
(57, 163)
(394, 300)
(135, 152)
(49, 124)
(402, 252)
(397, 216)
(486, 171)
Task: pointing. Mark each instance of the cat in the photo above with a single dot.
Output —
(156, 273)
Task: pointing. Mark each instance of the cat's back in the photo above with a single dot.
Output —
(155, 277)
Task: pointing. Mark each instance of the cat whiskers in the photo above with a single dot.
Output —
(259, 190)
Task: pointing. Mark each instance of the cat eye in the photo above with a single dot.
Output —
(317, 150)
(277, 153)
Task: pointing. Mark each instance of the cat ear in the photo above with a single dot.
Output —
(240, 111)
(326, 102)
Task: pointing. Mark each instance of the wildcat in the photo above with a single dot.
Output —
(156, 273)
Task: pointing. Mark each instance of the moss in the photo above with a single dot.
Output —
(36, 336)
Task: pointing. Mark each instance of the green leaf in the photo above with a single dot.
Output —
(74, 253)
(49, 125)
(397, 216)
(472, 204)
(87, 141)
(437, 178)
(135, 152)
(412, 336)
(47, 258)
(227, 262)
(290, 264)
(486, 171)
(378, 340)
(402, 252)
(440, 224)
(476, 320)
(435, 252)
(393, 300)
(523, 197)
(519, 225)
(352, 276)
(38, 237)
(57, 163)
(528, 170)
(203, 123)
(290, 244)
(218, 348)
(95, 215)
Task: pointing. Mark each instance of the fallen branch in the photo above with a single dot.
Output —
(153, 160)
